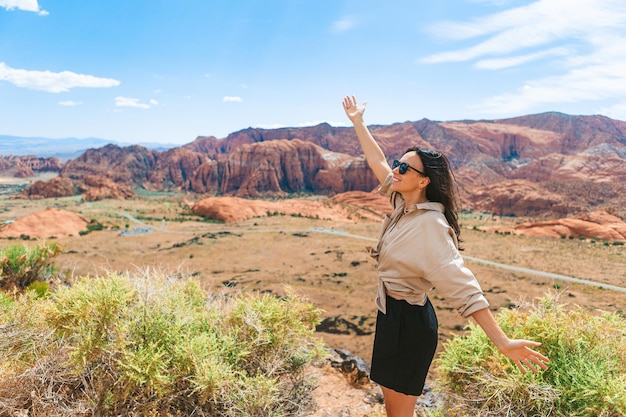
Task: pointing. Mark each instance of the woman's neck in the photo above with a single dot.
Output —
(411, 199)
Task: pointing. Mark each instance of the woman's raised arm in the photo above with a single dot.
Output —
(373, 154)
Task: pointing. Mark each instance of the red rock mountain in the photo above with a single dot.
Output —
(549, 164)
(26, 166)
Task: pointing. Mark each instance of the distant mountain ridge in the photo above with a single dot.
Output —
(62, 148)
(549, 164)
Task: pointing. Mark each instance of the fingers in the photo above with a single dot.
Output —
(538, 357)
(533, 361)
(350, 101)
(531, 366)
(520, 367)
(351, 107)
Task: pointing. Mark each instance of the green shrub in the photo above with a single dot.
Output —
(21, 265)
(93, 225)
(41, 289)
(151, 345)
(586, 376)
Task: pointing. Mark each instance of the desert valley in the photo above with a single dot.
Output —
(262, 210)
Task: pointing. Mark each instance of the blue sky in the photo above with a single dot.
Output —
(168, 71)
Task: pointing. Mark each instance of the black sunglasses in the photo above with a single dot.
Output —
(403, 166)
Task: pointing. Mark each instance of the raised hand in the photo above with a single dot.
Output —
(352, 109)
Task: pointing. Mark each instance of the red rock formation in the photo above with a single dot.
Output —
(48, 223)
(26, 166)
(97, 188)
(282, 167)
(174, 168)
(136, 166)
(595, 225)
(42, 164)
(23, 172)
(518, 198)
(335, 139)
(234, 209)
(55, 187)
(372, 201)
(128, 165)
(547, 164)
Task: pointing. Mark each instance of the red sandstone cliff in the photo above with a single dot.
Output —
(548, 165)
(282, 167)
(27, 166)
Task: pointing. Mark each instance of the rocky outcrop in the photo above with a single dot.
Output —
(351, 205)
(96, 188)
(335, 139)
(27, 166)
(124, 165)
(373, 202)
(23, 172)
(174, 169)
(282, 167)
(595, 225)
(55, 187)
(519, 198)
(97, 170)
(39, 164)
(50, 222)
(92, 188)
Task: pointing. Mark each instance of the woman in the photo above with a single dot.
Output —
(417, 250)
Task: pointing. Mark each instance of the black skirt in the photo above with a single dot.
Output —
(404, 346)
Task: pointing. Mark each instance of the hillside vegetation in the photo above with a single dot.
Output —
(152, 344)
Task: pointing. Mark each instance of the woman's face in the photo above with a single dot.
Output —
(410, 181)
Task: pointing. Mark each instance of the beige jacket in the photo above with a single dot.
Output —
(417, 251)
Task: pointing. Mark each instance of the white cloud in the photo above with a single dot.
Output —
(70, 103)
(343, 25)
(533, 25)
(52, 82)
(270, 126)
(313, 123)
(232, 99)
(581, 42)
(26, 5)
(513, 61)
(131, 102)
(617, 111)
(599, 76)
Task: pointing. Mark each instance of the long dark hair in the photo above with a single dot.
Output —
(442, 187)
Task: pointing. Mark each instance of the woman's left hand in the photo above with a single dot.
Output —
(518, 351)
